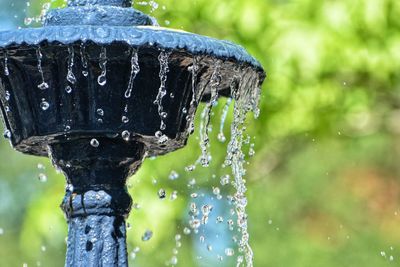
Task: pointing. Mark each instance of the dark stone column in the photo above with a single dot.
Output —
(97, 201)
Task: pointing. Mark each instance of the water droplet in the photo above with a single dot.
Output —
(174, 260)
(221, 137)
(43, 248)
(126, 135)
(216, 191)
(100, 112)
(102, 80)
(195, 224)
(7, 96)
(1, 231)
(125, 119)
(173, 175)
(43, 86)
(68, 89)
(94, 142)
(186, 231)
(190, 168)
(40, 166)
(225, 179)
(42, 177)
(28, 21)
(147, 235)
(161, 193)
(44, 105)
(229, 252)
(136, 206)
(174, 195)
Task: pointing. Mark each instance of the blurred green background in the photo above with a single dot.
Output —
(324, 184)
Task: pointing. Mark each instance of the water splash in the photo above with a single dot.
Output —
(39, 56)
(215, 81)
(135, 68)
(102, 79)
(164, 69)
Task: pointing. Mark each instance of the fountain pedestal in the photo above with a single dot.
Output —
(97, 201)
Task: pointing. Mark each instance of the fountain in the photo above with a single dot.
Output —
(99, 88)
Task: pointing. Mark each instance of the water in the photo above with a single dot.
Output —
(43, 85)
(215, 81)
(246, 100)
(194, 69)
(147, 235)
(221, 135)
(70, 74)
(162, 91)
(84, 61)
(102, 79)
(44, 105)
(135, 69)
(6, 70)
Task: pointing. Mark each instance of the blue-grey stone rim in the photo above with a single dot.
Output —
(135, 36)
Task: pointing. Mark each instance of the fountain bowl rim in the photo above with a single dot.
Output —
(159, 37)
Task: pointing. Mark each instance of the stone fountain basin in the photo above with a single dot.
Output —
(73, 116)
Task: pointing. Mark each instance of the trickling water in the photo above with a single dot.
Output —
(215, 81)
(164, 69)
(71, 57)
(134, 71)
(221, 135)
(246, 101)
(102, 79)
(39, 56)
(6, 70)
(84, 60)
(194, 68)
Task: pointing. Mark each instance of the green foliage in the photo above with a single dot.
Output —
(324, 185)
